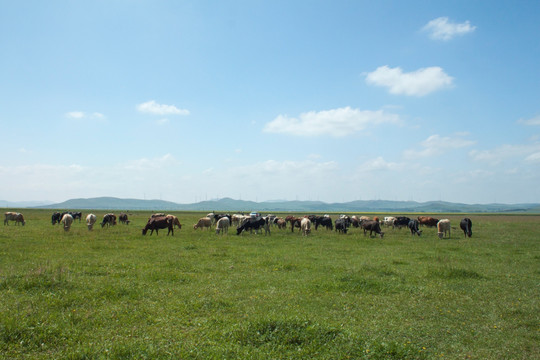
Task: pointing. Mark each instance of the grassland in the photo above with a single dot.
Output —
(115, 294)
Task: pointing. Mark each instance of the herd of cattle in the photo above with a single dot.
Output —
(254, 221)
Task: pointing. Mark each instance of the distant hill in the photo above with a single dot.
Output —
(228, 204)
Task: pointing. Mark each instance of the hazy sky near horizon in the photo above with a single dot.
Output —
(264, 100)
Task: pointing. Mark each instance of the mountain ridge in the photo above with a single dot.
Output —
(229, 204)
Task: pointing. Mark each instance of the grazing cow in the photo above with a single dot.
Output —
(254, 224)
(413, 226)
(90, 221)
(76, 215)
(67, 220)
(325, 221)
(156, 223)
(466, 226)
(175, 221)
(443, 226)
(202, 223)
(428, 221)
(222, 225)
(401, 221)
(13, 216)
(355, 221)
(56, 218)
(305, 225)
(373, 227)
(123, 218)
(109, 220)
(342, 225)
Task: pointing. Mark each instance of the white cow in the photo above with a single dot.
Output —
(90, 221)
(67, 220)
(305, 226)
(389, 221)
(222, 225)
(443, 226)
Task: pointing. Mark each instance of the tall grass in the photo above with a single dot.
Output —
(113, 293)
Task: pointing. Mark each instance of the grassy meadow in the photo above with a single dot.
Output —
(115, 294)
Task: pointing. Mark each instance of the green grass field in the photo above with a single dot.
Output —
(115, 294)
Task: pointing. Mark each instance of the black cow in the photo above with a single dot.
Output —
(325, 221)
(342, 225)
(413, 226)
(466, 226)
(157, 223)
(56, 218)
(401, 221)
(123, 218)
(76, 215)
(109, 220)
(372, 226)
(254, 224)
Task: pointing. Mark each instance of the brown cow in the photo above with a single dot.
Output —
(427, 221)
(373, 227)
(202, 223)
(13, 216)
(156, 223)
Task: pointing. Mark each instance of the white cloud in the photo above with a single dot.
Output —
(417, 83)
(528, 152)
(442, 29)
(436, 145)
(153, 107)
(336, 122)
(83, 115)
(532, 122)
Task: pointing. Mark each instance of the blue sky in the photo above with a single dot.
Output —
(263, 100)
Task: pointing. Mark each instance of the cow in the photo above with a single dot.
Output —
(281, 223)
(389, 221)
(295, 221)
(254, 224)
(325, 221)
(466, 226)
(56, 218)
(372, 226)
(109, 220)
(342, 225)
(123, 218)
(202, 223)
(156, 223)
(401, 221)
(305, 226)
(13, 216)
(175, 221)
(413, 226)
(355, 221)
(67, 220)
(90, 221)
(76, 215)
(236, 219)
(443, 226)
(428, 221)
(222, 225)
